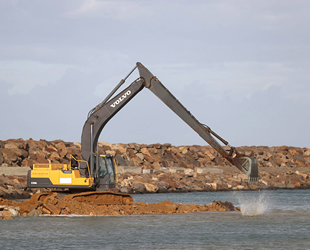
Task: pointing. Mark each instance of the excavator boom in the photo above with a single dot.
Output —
(102, 113)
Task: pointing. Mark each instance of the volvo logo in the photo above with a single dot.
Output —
(119, 100)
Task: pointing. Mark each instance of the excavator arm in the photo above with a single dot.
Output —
(247, 165)
(102, 113)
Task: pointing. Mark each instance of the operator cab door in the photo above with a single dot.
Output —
(106, 172)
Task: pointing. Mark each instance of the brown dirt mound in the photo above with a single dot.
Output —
(94, 203)
(101, 198)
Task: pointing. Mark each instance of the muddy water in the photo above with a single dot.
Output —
(268, 220)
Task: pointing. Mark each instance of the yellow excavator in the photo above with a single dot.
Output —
(98, 172)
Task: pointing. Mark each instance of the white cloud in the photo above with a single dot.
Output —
(115, 10)
(24, 75)
(233, 53)
(236, 80)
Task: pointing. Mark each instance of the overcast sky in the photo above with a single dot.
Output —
(241, 67)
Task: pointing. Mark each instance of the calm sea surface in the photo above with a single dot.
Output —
(268, 220)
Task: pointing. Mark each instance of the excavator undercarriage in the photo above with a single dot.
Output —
(94, 173)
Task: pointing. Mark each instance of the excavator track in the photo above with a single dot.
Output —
(54, 202)
(95, 198)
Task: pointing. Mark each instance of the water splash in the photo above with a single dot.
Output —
(252, 205)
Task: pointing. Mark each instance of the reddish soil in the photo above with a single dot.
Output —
(95, 204)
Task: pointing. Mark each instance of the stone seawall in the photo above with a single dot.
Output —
(166, 168)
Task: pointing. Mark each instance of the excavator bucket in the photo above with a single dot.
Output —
(249, 166)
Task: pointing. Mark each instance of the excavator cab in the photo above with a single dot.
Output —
(105, 176)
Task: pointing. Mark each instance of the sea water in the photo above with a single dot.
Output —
(267, 220)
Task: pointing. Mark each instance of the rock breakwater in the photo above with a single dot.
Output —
(163, 167)
(19, 152)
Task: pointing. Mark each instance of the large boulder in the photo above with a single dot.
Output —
(61, 149)
(9, 156)
(120, 161)
(19, 151)
(138, 188)
(125, 190)
(151, 188)
(36, 144)
(163, 187)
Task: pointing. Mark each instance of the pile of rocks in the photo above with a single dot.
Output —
(161, 182)
(13, 187)
(19, 152)
(8, 212)
(163, 167)
(56, 204)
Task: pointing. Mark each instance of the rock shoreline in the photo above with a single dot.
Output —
(165, 168)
